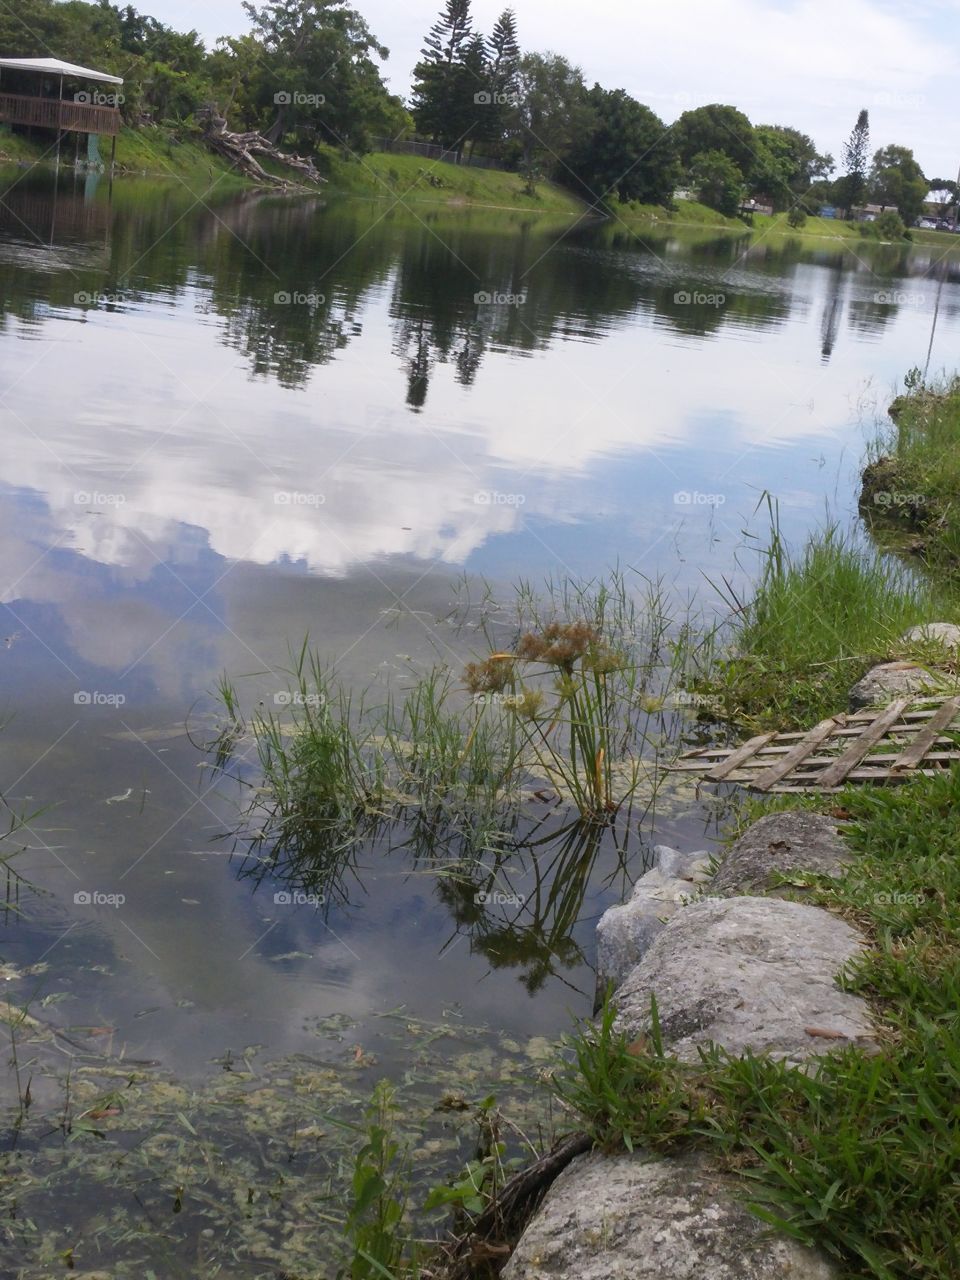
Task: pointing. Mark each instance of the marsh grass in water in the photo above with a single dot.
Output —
(858, 1154)
(815, 622)
(557, 710)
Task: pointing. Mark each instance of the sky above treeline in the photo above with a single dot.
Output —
(808, 63)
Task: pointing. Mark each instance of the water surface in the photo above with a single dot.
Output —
(233, 421)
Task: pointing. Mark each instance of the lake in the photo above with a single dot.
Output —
(235, 421)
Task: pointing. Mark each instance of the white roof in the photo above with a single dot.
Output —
(54, 66)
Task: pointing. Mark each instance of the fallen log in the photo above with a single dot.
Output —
(242, 148)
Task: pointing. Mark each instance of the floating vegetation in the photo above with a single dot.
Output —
(264, 1168)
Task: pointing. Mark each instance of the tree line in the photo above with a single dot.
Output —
(309, 74)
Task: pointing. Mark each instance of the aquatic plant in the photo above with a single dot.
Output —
(557, 708)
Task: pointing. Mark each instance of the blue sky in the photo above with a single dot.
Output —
(808, 63)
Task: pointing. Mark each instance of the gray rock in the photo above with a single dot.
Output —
(632, 1218)
(892, 680)
(625, 933)
(750, 974)
(781, 842)
(946, 634)
(671, 862)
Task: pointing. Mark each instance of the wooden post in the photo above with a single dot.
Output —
(113, 154)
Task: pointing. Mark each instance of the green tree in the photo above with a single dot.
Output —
(551, 113)
(856, 151)
(502, 75)
(786, 163)
(325, 84)
(627, 153)
(897, 179)
(717, 181)
(451, 71)
(715, 128)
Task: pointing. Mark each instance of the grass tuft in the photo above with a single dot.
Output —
(816, 622)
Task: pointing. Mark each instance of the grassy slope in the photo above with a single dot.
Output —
(384, 175)
(155, 151)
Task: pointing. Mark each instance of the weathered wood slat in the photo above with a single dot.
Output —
(908, 734)
(796, 754)
(927, 736)
(845, 764)
(736, 758)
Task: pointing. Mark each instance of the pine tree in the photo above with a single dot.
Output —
(504, 54)
(856, 153)
(449, 33)
(451, 71)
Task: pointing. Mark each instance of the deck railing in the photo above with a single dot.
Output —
(59, 113)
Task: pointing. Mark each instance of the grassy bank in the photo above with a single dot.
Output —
(911, 487)
(858, 1155)
(817, 621)
(152, 151)
(416, 180)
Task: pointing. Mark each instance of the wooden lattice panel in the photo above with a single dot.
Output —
(908, 737)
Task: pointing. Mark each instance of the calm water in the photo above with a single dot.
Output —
(232, 422)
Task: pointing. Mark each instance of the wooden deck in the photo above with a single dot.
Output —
(911, 736)
(59, 114)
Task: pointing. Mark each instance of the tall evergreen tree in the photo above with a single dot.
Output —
(504, 53)
(449, 33)
(856, 156)
(448, 75)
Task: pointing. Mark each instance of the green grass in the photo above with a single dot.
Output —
(913, 479)
(420, 181)
(815, 623)
(686, 213)
(859, 1154)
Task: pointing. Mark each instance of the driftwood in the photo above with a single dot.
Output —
(490, 1238)
(242, 148)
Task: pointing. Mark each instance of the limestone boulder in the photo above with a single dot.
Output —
(629, 1217)
(752, 975)
(626, 932)
(779, 844)
(890, 680)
